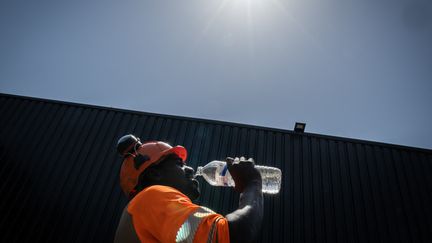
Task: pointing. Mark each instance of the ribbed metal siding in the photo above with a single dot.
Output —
(59, 173)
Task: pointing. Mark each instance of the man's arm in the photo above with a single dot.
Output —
(245, 222)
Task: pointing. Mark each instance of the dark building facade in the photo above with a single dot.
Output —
(59, 171)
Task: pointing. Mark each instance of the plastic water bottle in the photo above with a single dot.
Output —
(216, 174)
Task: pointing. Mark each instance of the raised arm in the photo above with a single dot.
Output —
(245, 222)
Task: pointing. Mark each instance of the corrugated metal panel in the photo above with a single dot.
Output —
(59, 171)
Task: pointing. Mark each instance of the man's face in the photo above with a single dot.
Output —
(176, 174)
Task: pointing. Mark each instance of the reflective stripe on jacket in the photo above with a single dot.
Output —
(163, 214)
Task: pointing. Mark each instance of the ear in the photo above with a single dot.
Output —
(153, 174)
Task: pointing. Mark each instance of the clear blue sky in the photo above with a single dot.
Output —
(359, 69)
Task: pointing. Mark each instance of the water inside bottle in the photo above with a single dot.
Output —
(209, 174)
(271, 178)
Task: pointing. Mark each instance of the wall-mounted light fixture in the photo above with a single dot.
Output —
(299, 127)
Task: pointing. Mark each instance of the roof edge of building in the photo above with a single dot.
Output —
(211, 121)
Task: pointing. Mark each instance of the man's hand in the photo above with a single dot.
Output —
(245, 222)
(244, 173)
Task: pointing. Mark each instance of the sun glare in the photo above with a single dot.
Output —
(250, 17)
(244, 12)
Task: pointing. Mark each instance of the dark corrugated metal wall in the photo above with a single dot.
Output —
(59, 173)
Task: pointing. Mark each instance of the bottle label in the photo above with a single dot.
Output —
(224, 170)
(223, 174)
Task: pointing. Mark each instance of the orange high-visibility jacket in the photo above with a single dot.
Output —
(164, 214)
